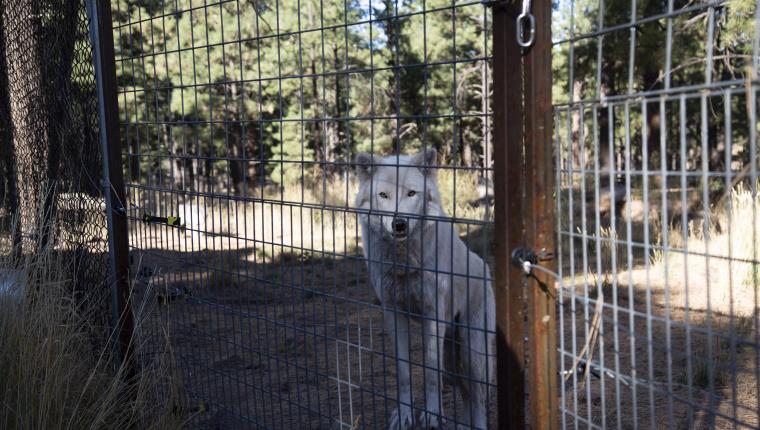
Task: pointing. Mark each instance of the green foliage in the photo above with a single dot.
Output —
(263, 85)
(260, 83)
(621, 62)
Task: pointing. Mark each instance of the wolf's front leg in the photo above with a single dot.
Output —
(436, 317)
(434, 337)
(397, 323)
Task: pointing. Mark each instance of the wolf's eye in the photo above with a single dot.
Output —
(383, 195)
(411, 193)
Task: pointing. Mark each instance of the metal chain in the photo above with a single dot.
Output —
(526, 18)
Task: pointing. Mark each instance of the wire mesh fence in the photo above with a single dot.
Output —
(309, 278)
(310, 196)
(655, 107)
(49, 180)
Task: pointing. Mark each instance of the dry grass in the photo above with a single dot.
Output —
(299, 221)
(718, 265)
(702, 268)
(54, 374)
(457, 189)
(287, 242)
(705, 279)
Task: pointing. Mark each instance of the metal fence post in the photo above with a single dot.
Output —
(101, 34)
(508, 192)
(539, 219)
(523, 162)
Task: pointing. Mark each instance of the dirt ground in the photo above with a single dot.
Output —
(679, 342)
(296, 341)
(674, 368)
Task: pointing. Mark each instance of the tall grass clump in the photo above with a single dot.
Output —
(53, 373)
(730, 242)
(457, 190)
(745, 234)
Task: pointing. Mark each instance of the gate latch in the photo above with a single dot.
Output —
(524, 258)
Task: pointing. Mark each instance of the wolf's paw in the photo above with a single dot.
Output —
(401, 419)
(429, 421)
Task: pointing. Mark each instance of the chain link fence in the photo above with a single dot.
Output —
(50, 148)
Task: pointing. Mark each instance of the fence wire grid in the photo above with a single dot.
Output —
(243, 123)
(655, 108)
(243, 127)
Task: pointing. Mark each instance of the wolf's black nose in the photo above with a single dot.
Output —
(399, 225)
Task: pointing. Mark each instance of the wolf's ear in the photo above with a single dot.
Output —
(426, 161)
(363, 163)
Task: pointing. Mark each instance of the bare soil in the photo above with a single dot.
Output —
(295, 342)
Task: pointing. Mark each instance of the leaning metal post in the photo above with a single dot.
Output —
(99, 12)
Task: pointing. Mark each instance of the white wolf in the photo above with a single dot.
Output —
(420, 267)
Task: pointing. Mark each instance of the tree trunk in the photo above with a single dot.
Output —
(191, 165)
(577, 145)
(6, 127)
(393, 90)
(237, 149)
(208, 169)
(10, 190)
(21, 34)
(653, 139)
(166, 164)
(134, 159)
(716, 131)
(315, 127)
(466, 148)
(606, 87)
(253, 159)
(317, 139)
(486, 131)
(56, 69)
(336, 145)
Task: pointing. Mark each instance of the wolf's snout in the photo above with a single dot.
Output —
(399, 226)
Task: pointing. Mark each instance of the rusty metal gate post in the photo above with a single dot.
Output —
(540, 223)
(101, 35)
(524, 191)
